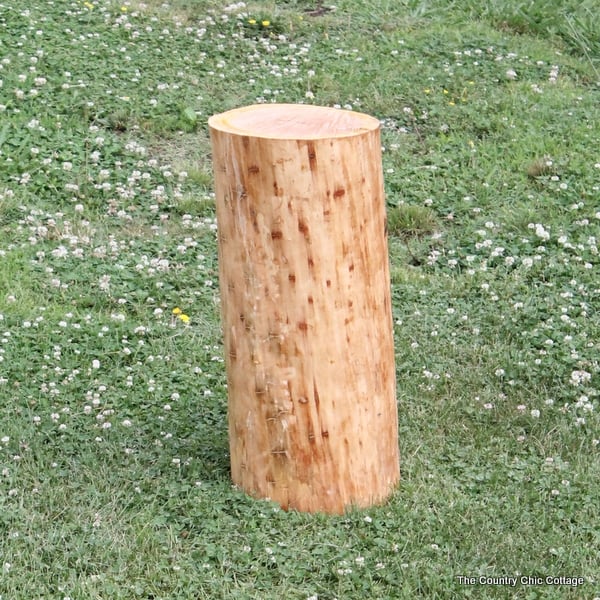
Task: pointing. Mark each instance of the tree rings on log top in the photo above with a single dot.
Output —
(293, 122)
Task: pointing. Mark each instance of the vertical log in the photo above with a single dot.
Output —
(305, 296)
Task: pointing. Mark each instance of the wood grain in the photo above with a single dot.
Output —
(305, 296)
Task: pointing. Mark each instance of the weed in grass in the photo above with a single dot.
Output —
(411, 220)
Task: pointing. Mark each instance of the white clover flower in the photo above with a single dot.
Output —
(541, 232)
(580, 377)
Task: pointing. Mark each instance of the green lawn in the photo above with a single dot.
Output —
(114, 468)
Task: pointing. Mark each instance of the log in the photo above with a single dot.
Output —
(306, 308)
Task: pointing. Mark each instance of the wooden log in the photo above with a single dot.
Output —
(305, 297)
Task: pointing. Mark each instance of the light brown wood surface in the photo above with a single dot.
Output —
(305, 296)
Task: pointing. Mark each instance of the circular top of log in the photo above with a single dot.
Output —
(292, 122)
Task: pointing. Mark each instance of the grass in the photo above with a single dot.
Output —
(114, 472)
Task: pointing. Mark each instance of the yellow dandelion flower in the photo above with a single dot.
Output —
(88, 5)
(184, 318)
(266, 23)
(252, 21)
(123, 9)
(451, 103)
(177, 310)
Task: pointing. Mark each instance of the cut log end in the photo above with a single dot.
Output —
(293, 122)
